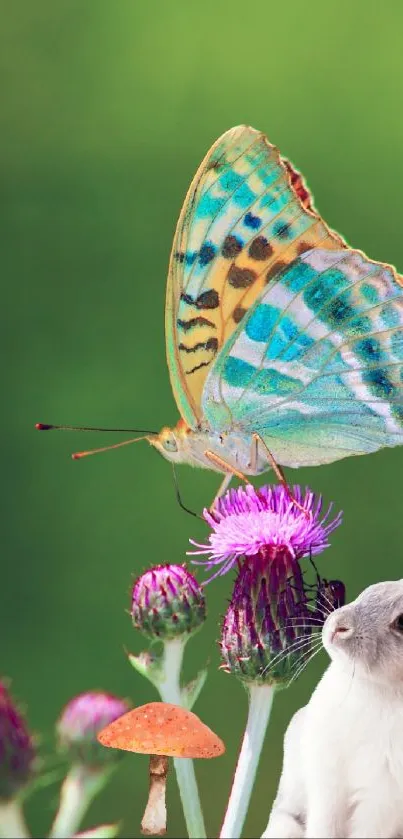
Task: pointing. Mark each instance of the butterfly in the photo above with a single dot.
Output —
(284, 344)
(280, 338)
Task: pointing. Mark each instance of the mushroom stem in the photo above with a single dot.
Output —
(155, 815)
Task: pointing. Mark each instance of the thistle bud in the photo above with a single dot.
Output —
(266, 630)
(167, 602)
(81, 720)
(17, 752)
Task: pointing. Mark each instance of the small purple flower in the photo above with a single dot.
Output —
(167, 602)
(246, 521)
(82, 719)
(17, 752)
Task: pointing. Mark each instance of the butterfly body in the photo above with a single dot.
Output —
(199, 447)
(279, 335)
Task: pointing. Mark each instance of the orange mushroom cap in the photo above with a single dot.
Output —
(160, 728)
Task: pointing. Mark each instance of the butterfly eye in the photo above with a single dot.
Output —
(398, 623)
(170, 444)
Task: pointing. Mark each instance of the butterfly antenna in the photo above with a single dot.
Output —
(41, 426)
(80, 455)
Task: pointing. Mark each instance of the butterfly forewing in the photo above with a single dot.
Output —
(247, 215)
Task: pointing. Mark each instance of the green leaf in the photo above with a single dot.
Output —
(191, 691)
(45, 779)
(149, 666)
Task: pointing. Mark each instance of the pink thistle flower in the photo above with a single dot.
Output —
(247, 521)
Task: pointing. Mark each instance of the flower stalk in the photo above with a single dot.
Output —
(260, 705)
(79, 788)
(170, 691)
(12, 822)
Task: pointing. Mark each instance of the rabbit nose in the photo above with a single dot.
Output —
(341, 632)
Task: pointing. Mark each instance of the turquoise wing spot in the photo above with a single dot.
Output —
(238, 373)
(288, 342)
(276, 204)
(397, 411)
(326, 286)
(281, 338)
(268, 176)
(243, 196)
(379, 382)
(358, 326)
(290, 328)
(209, 206)
(298, 347)
(241, 374)
(369, 349)
(230, 180)
(276, 347)
(390, 316)
(370, 293)
(396, 344)
(298, 275)
(261, 322)
(338, 311)
(258, 158)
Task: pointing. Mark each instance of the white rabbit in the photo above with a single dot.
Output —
(343, 752)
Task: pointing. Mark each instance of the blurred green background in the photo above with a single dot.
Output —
(108, 108)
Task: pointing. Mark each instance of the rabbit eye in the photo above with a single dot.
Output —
(398, 623)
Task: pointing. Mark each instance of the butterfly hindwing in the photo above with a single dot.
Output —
(316, 368)
(247, 215)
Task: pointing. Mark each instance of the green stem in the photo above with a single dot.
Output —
(260, 704)
(12, 823)
(78, 789)
(170, 691)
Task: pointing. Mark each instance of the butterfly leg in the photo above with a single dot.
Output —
(223, 486)
(276, 468)
(230, 472)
